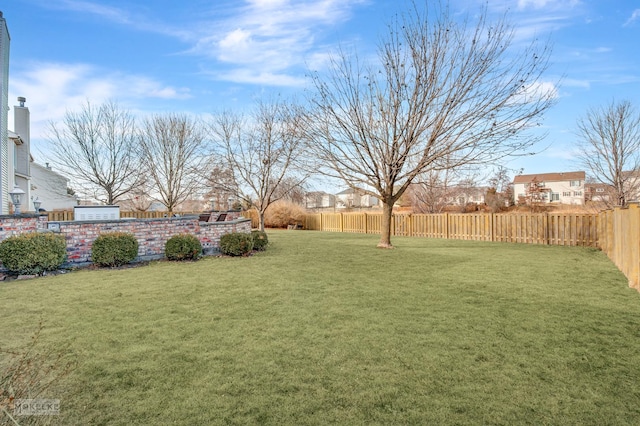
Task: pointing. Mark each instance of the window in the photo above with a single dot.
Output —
(555, 196)
(577, 194)
(574, 183)
(566, 194)
(599, 189)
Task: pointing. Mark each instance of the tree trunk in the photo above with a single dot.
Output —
(261, 219)
(385, 230)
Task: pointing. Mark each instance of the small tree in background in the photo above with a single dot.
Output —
(263, 152)
(609, 148)
(499, 195)
(535, 194)
(96, 148)
(222, 186)
(171, 147)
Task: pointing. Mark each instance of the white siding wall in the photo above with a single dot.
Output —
(4, 110)
(567, 194)
(50, 188)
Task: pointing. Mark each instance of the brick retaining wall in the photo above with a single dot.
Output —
(14, 225)
(152, 234)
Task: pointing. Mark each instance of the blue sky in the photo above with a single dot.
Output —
(200, 56)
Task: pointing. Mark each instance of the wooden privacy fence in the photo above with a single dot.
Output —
(540, 228)
(616, 232)
(620, 240)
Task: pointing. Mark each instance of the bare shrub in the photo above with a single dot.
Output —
(284, 213)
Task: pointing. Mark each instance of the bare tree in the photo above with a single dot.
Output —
(291, 189)
(442, 94)
(535, 195)
(263, 152)
(499, 195)
(96, 148)
(171, 147)
(222, 186)
(431, 191)
(139, 199)
(609, 148)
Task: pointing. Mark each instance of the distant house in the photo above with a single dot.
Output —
(632, 185)
(604, 192)
(51, 188)
(599, 192)
(352, 198)
(551, 188)
(319, 200)
(37, 181)
(462, 195)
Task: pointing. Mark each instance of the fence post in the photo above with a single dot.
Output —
(341, 222)
(366, 231)
(446, 226)
(633, 252)
(492, 227)
(409, 225)
(393, 224)
(546, 229)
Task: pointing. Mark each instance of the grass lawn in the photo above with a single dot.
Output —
(325, 328)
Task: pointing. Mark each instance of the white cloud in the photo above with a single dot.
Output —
(262, 37)
(106, 12)
(544, 87)
(269, 41)
(635, 15)
(245, 75)
(534, 91)
(542, 4)
(139, 21)
(572, 82)
(53, 88)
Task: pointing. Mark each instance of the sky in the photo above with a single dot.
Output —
(201, 57)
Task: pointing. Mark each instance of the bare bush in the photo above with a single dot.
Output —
(284, 213)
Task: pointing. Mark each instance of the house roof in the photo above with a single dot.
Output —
(549, 177)
(16, 137)
(47, 169)
(317, 193)
(594, 185)
(347, 191)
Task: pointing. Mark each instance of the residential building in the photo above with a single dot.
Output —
(37, 181)
(550, 188)
(4, 110)
(319, 200)
(599, 192)
(352, 198)
(631, 185)
(459, 195)
(606, 193)
(50, 188)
